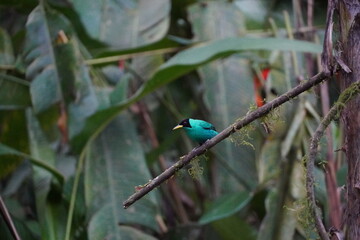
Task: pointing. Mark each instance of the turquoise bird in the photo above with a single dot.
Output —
(197, 130)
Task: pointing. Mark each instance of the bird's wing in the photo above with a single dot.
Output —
(206, 125)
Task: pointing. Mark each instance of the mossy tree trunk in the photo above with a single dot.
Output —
(349, 17)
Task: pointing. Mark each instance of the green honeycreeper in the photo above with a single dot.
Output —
(197, 130)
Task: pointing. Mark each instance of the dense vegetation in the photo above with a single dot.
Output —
(89, 93)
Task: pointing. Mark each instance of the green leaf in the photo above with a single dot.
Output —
(58, 71)
(8, 151)
(231, 228)
(256, 13)
(14, 93)
(225, 207)
(163, 43)
(49, 64)
(269, 161)
(191, 59)
(102, 226)
(216, 21)
(51, 214)
(120, 92)
(115, 163)
(124, 24)
(6, 49)
(41, 60)
(181, 64)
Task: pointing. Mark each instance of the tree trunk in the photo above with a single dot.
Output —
(349, 12)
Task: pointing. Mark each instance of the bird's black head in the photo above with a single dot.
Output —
(185, 123)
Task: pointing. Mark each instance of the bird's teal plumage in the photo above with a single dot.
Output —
(197, 130)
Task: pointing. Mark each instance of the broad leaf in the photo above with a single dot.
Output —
(57, 70)
(124, 24)
(115, 164)
(42, 29)
(225, 207)
(102, 226)
(162, 44)
(51, 215)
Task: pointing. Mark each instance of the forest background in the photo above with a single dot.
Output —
(89, 93)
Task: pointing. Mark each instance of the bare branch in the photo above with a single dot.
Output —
(224, 134)
(344, 98)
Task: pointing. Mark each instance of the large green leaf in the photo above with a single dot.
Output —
(58, 71)
(124, 24)
(51, 64)
(181, 64)
(42, 29)
(103, 226)
(225, 206)
(162, 44)
(14, 92)
(51, 214)
(115, 164)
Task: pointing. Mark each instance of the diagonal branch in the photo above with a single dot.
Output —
(334, 112)
(7, 219)
(224, 134)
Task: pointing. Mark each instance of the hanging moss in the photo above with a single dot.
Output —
(272, 117)
(196, 170)
(242, 136)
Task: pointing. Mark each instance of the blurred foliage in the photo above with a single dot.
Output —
(89, 93)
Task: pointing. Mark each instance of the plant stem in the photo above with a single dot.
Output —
(74, 193)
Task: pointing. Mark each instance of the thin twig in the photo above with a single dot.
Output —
(224, 134)
(334, 112)
(7, 218)
(74, 191)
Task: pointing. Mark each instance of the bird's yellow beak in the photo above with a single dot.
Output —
(177, 127)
